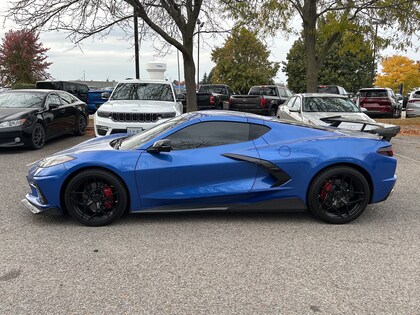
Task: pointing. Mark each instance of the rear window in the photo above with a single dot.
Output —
(374, 93)
(263, 90)
(48, 85)
(331, 89)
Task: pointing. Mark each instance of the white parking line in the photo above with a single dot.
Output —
(406, 157)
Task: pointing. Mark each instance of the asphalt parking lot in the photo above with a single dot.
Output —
(213, 263)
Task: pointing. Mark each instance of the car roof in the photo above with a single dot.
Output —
(44, 91)
(144, 81)
(322, 95)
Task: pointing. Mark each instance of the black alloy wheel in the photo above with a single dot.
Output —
(81, 126)
(37, 137)
(338, 195)
(95, 197)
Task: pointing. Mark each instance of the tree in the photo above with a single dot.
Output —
(22, 58)
(171, 20)
(399, 70)
(342, 66)
(400, 17)
(243, 61)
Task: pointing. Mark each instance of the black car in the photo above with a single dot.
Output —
(31, 117)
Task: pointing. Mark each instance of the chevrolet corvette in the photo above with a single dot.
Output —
(216, 161)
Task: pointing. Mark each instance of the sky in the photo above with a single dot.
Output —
(112, 58)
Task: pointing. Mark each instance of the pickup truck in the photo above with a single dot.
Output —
(261, 99)
(212, 96)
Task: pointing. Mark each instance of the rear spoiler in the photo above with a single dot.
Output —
(386, 131)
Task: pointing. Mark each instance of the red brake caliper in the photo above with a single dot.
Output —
(325, 190)
(110, 199)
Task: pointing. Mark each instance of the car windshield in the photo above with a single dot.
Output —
(329, 104)
(137, 140)
(143, 91)
(21, 99)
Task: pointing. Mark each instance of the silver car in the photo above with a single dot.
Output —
(332, 110)
(413, 104)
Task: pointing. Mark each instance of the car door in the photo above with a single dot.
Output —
(55, 119)
(201, 170)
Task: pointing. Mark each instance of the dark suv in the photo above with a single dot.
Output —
(379, 102)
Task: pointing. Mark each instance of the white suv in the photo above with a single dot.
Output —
(136, 105)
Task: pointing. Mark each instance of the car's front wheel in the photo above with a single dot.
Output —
(338, 195)
(95, 197)
(37, 137)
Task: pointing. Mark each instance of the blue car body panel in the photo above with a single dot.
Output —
(278, 165)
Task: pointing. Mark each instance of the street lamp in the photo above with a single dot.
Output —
(199, 26)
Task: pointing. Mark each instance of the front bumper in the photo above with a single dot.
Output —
(38, 208)
(15, 136)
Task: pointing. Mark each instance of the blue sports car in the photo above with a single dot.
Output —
(216, 160)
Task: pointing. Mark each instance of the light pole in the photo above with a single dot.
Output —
(199, 26)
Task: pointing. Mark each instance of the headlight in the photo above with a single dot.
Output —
(55, 160)
(12, 123)
(103, 114)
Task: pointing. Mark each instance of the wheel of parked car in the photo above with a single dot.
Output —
(81, 126)
(396, 113)
(38, 136)
(338, 195)
(95, 197)
(273, 111)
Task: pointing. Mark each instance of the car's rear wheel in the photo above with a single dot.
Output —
(95, 197)
(396, 113)
(81, 126)
(37, 137)
(338, 195)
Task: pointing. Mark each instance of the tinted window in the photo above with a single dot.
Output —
(374, 93)
(83, 88)
(332, 89)
(53, 99)
(209, 134)
(143, 91)
(49, 85)
(263, 90)
(66, 98)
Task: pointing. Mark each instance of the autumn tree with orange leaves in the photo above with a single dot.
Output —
(398, 70)
(22, 58)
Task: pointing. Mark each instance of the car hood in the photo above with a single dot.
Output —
(14, 113)
(141, 106)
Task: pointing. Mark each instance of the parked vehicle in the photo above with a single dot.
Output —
(80, 90)
(31, 117)
(136, 105)
(333, 110)
(333, 89)
(413, 104)
(96, 98)
(379, 102)
(213, 96)
(220, 161)
(262, 99)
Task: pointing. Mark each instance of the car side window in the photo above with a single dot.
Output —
(52, 99)
(214, 133)
(66, 98)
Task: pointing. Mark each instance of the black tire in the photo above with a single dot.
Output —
(37, 137)
(396, 113)
(95, 197)
(81, 126)
(273, 111)
(338, 195)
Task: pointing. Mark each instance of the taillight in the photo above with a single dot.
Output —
(211, 100)
(387, 151)
(263, 102)
(413, 101)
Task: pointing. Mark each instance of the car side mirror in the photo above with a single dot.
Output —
(294, 110)
(160, 146)
(53, 106)
(105, 95)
